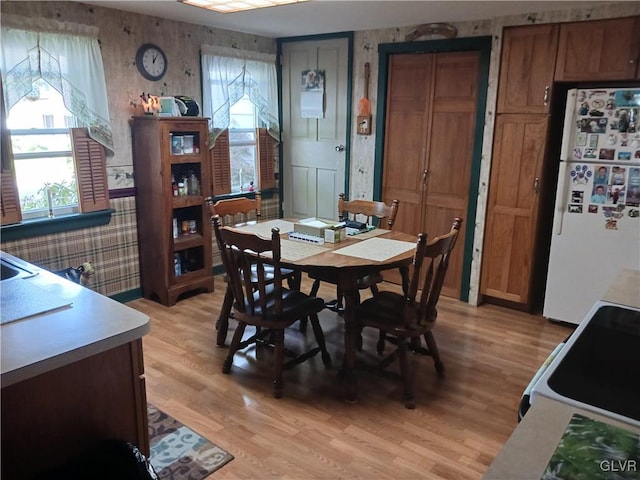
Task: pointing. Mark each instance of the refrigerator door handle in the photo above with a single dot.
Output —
(560, 198)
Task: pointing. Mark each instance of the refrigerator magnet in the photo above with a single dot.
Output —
(577, 196)
(593, 209)
(581, 139)
(611, 224)
(575, 208)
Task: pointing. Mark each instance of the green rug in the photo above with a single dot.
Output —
(179, 453)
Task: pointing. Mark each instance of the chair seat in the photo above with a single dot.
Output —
(388, 311)
(295, 304)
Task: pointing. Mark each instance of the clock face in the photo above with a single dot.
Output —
(151, 62)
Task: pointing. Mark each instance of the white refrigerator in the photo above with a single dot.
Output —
(596, 224)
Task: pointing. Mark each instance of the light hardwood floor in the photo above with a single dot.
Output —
(459, 425)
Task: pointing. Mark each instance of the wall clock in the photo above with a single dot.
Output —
(151, 62)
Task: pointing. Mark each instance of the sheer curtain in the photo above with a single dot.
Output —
(227, 74)
(65, 55)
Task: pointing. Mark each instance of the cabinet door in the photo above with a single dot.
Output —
(518, 153)
(430, 124)
(527, 68)
(599, 50)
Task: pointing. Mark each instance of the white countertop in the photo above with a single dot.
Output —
(92, 324)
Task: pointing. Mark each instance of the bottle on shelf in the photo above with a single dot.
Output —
(174, 186)
(177, 265)
(194, 184)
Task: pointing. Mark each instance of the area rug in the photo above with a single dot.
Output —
(179, 453)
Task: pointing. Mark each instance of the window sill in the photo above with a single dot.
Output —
(45, 226)
(266, 194)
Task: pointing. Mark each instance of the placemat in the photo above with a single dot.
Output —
(292, 250)
(379, 249)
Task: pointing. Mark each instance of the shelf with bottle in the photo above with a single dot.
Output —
(184, 143)
(187, 222)
(186, 179)
(188, 261)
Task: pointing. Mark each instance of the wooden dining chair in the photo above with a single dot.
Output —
(358, 210)
(403, 319)
(263, 302)
(237, 212)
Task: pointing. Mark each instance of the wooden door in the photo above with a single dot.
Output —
(431, 114)
(599, 50)
(314, 169)
(512, 210)
(527, 69)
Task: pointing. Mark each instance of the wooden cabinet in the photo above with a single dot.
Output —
(174, 229)
(513, 205)
(56, 416)
(599, 50)
(526, 74)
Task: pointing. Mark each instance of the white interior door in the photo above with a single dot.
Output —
(314, 152)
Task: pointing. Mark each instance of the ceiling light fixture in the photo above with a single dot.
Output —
(230, 6)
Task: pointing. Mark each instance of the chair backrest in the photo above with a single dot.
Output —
(235, 211)
(434, 257)
(385, 214)
(244, 256)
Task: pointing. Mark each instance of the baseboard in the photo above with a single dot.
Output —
(127, 296)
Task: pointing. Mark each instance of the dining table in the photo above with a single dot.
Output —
(369, 252)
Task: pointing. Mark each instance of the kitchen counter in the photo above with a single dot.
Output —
(533, 442)
(72, 371)
(527, 452)
(92, 324)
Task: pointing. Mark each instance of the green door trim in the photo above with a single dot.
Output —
(347, 159)
(479, 44)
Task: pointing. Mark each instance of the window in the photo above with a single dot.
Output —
(242, 146)
(42, 153)
(240, 96)
(50, 165)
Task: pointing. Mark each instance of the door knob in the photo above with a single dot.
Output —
(339, 148)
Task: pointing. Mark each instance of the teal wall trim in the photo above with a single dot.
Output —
(483, 46)
(218, 270)
(128, 296)
(308, 38)
(35, 228)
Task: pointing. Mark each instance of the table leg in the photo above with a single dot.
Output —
(351, 334)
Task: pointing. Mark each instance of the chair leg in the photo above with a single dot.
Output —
(314, 291)
(235, 342)
(382, 337)
(433, 348)
(317, 331)
(278, 360)
(223, 320)
(295, 281)
(407, 377)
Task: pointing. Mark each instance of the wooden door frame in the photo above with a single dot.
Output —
(347, 157)
(483, 46)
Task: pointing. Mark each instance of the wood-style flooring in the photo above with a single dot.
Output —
(460, 423)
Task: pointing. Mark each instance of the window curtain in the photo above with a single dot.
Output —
(65, 55)
(227, 74)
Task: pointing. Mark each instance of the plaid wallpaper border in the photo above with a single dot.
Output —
(113, 248)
